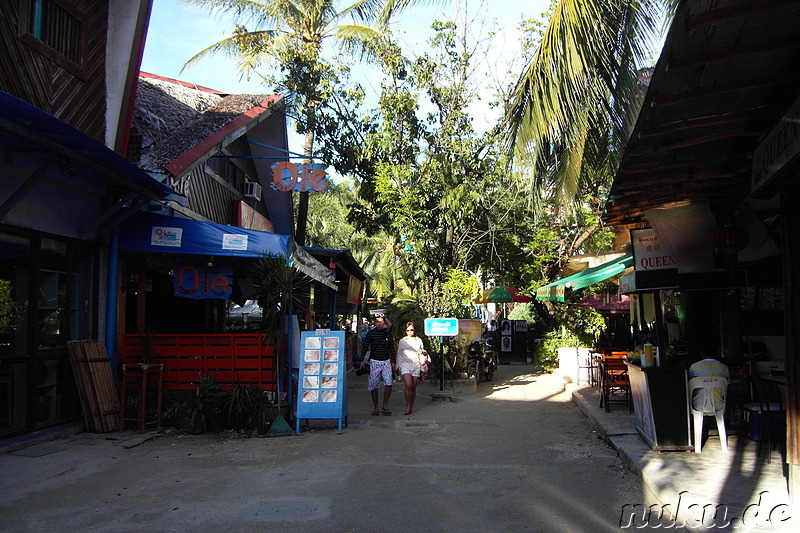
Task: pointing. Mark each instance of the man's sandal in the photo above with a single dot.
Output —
(386, 412)
(376, 412)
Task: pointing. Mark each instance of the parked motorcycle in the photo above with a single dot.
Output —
(481, 363)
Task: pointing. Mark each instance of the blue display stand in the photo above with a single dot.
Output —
(322, 383)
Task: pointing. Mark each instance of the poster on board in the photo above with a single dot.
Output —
(321, 387)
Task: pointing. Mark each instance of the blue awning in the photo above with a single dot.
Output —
(147, 232)
(26, 127)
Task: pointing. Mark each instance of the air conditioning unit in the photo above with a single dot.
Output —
(251, 189)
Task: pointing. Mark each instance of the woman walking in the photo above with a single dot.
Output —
(410, 355)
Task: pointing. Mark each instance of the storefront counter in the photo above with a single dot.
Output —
(661, 406)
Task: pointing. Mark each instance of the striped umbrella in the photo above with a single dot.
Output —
(501, 294)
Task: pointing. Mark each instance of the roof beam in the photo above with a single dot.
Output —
(662, 147)
(26, 186)
(699, 58)
(674, 178)
(700, 162)
(721, 88)
(722, 119)
(734, 12)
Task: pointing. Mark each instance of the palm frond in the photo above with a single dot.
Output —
(358, 41)
(245, 12)
(586, 61)
(393, 7)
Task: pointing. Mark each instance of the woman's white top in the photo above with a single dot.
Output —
(408, 355)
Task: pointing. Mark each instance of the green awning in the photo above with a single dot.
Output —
(555, 291)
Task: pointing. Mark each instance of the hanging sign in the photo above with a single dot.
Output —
(354, 291)
(201, 283)
(245, 216)
(649, 252)
(299, 177)
(777, 150)
(321, 389)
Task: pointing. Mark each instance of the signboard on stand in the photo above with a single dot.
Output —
(441, 327)
(321, 387)
(446, 328)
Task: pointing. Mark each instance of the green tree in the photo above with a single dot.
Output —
(290, 34)
(576, 100)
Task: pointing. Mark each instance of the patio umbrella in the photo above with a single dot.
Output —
(501, 294)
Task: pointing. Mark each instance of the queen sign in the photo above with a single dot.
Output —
(300, 177)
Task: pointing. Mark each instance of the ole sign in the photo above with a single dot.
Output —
(300, 177)
(201, 283)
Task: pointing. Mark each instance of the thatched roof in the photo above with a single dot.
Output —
(172, 117)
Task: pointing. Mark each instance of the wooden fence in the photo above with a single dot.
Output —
(229, 358)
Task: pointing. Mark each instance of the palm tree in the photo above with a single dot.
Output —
(575, 103)
(290, 34)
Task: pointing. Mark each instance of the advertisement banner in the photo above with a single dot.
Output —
(322, 385)
(201, 283)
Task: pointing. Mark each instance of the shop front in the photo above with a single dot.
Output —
(61, 200)
(712, 175)
(189, 294)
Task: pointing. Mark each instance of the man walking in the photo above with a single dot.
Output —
(379, 343)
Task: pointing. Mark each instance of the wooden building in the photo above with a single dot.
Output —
(712, 168)
(65, 95)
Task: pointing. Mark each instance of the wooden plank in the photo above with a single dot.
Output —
(96, 385)
(105, 387)
(83, 380)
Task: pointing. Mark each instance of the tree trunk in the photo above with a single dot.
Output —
(308, 153)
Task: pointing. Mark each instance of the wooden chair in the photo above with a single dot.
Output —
(614, 382)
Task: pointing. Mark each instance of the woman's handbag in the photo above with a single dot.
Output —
(424, 361)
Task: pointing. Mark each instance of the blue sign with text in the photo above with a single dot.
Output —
(441, 327)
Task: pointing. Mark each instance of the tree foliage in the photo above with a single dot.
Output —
(290, 34)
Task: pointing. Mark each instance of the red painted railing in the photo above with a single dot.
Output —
(234, 358)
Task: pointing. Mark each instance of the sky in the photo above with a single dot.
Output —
(178, 31)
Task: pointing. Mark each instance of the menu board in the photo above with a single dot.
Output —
(321, 390)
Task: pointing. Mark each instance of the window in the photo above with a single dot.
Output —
(55, 28)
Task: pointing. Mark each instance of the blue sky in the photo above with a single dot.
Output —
(178, 31)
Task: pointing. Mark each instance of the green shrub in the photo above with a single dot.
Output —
(546, 353)
(579, 327)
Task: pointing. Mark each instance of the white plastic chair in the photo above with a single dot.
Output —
(712, 405)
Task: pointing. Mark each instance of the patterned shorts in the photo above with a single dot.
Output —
(378, 369)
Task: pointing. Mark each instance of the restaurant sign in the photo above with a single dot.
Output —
(649, 252)
(779, 147)
(299, 177)
(201, 283)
